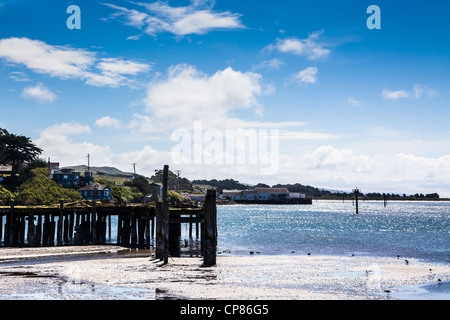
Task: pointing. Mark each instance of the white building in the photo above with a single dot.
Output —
(261, 194)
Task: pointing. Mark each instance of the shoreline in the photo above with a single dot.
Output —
(117, 273)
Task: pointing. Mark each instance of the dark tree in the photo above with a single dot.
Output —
(16, 150)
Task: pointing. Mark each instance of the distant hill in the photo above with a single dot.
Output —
(109, 171)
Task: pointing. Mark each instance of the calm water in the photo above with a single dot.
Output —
(409, 229)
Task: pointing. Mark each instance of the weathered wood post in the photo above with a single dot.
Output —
(141, 229)
(71, 223)
(66, 228)
(60, 223)
(21, 230)
(1, 227)
(197, 231)
(93, 237)
(109, 227)
(159, 251)
(147, 227)
(210, 247)
(52, 230)
(153, 225)
(165, 218)
(133, 230)
(356, 191)
(11, 226)
(119, 227)
(31, 233)
(126, 227)
(39, 231)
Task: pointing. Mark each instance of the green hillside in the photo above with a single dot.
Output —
(107, 171)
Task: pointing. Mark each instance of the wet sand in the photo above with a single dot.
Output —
(111, 272)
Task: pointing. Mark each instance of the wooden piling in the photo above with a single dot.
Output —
(119, 227)
(1, 227)
(210, 246)
(93, 236)
(133, 231)
(109, 227)
(11, 226)
(39, 231)
(141, 232)
(159, 250)
(60, 223)
(165, 217)
(356, 191)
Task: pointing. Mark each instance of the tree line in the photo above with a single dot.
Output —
(28, 181)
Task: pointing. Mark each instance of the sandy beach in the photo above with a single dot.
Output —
(116, 273)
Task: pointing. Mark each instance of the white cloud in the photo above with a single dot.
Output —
(272, 64)
(233, 123)
(201, 97)
(352, 102)
(57, 61)
(57, 144)
(394, 95)
(66, 129)
(312, 47)
(420, 90)
(18, 76)
(69, 63)
(306, 135)
(108, 122)
(197, 18)
(143, 124)
(416, 93)
(119, 66)
(306, 76)
(39, 92)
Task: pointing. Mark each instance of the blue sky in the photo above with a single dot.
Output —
(353, 106)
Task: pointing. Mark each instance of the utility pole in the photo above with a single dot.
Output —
(88, 156)
(134, 169)
(178, 179)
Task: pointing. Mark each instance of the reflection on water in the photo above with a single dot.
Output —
(408, 229)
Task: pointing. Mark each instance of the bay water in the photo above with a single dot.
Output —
(409, 229)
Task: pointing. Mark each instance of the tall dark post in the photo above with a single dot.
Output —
(356, 198)
(165, 218)
(59, 235)
(209, 258)
(93, 237)
(159, 251)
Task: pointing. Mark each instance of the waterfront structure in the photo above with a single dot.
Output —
(261, 194)
(200, 197)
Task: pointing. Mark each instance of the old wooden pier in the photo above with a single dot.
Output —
(88, 222)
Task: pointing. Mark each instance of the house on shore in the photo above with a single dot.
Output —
(67, 178)
(96, 191)
(200, 197)
(156, 189)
